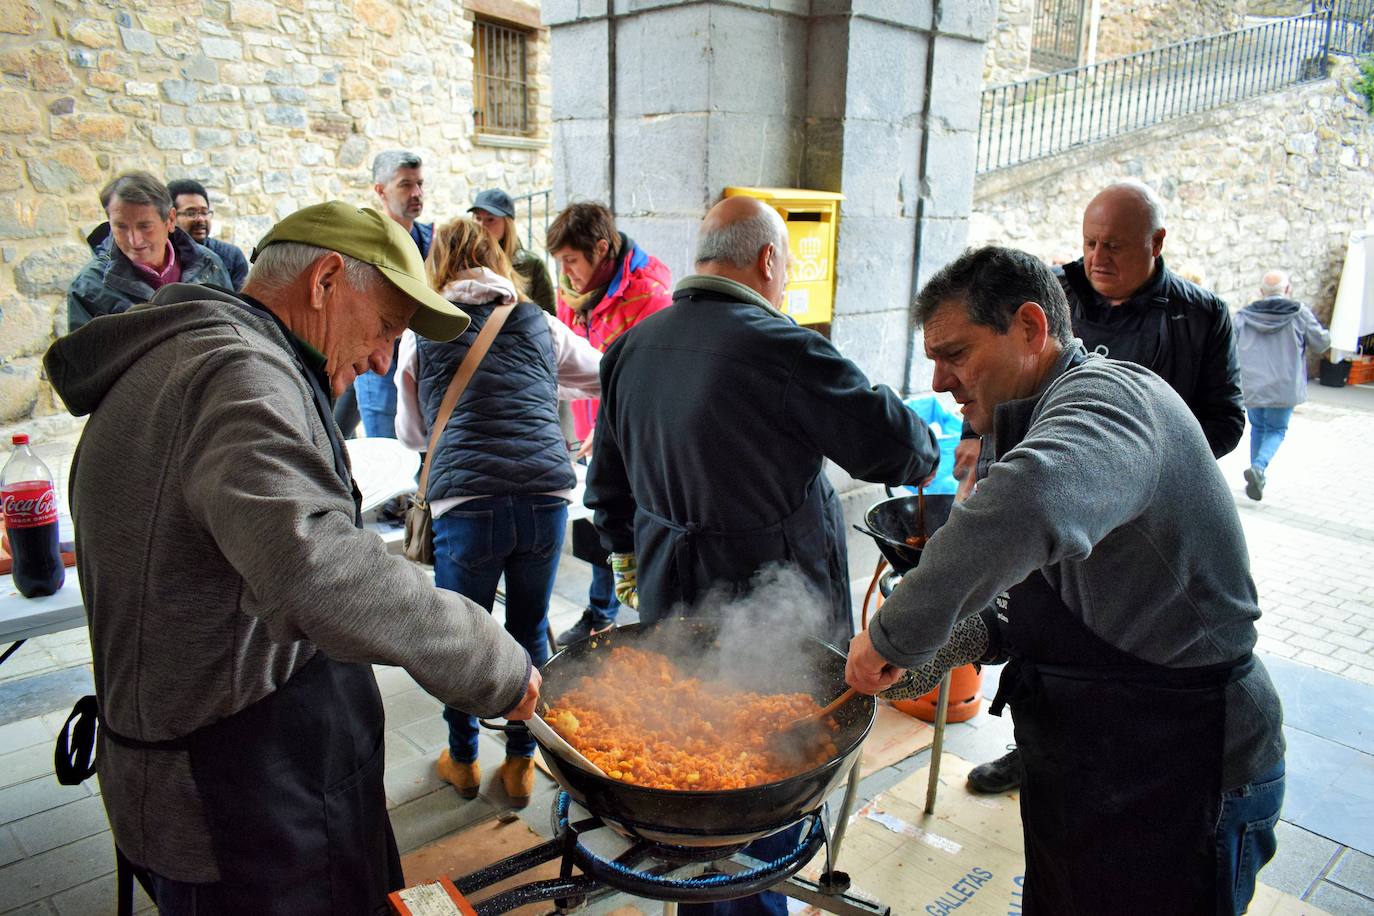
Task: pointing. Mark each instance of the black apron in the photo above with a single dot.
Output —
(291, 785)
(682, 564)
(1122, 760)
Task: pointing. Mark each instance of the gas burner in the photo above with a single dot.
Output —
(611, 863)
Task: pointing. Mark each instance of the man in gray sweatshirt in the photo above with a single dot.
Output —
(235, 604)
(1111, 568)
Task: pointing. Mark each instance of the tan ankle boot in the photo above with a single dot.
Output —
(517, 777)
(465, 777)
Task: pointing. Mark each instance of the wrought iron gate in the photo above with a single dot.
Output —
(1057, 34)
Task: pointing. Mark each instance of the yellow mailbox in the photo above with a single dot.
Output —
(812, 218)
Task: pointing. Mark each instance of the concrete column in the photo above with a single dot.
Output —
(660, 104)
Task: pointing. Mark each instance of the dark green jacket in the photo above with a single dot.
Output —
(538, 286)
(109, 283)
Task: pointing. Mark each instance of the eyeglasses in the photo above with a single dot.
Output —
(197, 214)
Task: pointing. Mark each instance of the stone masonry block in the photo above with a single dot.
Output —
(26, 325)
(89, 128)
(887, 71)
(580, 161)
(672, 241)
(18, 389)
(754, 150)
(874, 257)
(878, 341)
(827, 67)
(948, 172)
(558, 12)
(17, 115)
(941, 241)
(661, 165)
(171, 138)
(880, 168)
(971, 19)
(758, 62)
(284, 115)
(955, 83)
(47, 67)
(253, 13)
(181, 92)
(19, 17)
(663, 61)
(93, 33)
(222, 48)
(823, 166)
(579, 70)
(137, 41)
(49, 271)
(909, 13)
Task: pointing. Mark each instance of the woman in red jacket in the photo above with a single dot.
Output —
(607, 284)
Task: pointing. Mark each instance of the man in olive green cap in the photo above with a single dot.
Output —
(235, 604)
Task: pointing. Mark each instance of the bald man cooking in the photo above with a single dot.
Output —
(716, 418)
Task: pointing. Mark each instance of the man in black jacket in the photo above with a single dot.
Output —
(1127, 305)
(716, 418)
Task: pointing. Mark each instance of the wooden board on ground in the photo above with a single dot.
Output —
(477, 847)
(967, 856)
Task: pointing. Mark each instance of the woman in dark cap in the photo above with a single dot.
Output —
(494, 209)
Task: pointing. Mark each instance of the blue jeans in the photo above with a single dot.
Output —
(601, 599)
(1245, 838)
(1268, 425)
(377, 402)
(474, 544)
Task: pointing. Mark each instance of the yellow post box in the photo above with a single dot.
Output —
(812, 219)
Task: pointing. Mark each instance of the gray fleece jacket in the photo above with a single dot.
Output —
(1104, 481)
(218, 554)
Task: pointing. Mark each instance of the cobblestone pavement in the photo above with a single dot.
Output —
(1312, 536)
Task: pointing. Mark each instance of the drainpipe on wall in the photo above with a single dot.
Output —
(920, 200)
(610, 105)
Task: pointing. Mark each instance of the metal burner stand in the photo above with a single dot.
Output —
(672, 874)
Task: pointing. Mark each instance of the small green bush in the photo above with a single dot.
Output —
(1365, 84)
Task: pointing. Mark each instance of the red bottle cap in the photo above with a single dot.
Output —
(20, 439)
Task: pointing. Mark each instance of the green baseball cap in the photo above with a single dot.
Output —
(376, 239)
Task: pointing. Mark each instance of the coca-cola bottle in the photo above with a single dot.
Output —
(31, 522)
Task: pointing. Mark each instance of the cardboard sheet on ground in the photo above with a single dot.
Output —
(966, 858)
(895, 737)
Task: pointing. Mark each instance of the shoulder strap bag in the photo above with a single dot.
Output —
(419, 537)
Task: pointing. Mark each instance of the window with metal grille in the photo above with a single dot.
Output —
(500, 91)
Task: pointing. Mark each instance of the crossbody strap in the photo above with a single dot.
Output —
(455, 390)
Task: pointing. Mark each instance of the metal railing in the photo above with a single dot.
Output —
(1029, 120)
(535, 208)
(1352, 26)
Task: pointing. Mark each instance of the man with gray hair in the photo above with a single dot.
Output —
(717, 416)
(235, 603)
(148, 252)
(1274, 336)
(1126, 304)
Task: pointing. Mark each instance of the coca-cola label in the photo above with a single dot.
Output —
(28, 505)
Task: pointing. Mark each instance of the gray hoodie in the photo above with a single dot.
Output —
(1103, 481)
(218, 554)
(1273, 336)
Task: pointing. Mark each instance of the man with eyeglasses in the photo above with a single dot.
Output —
(193, 217)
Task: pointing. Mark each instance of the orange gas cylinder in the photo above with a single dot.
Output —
(965, 697)
(965, 683)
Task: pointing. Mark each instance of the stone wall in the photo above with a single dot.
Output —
(1128, 26)
(272, 105)
(1276, 182)
(1123, 27)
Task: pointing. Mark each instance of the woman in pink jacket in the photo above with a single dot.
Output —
(607, 284)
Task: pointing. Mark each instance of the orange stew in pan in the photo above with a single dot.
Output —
(644, 721)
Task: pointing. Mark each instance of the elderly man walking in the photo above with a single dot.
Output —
(1275, 334)
(149, 252)
(717, 416)
(235, 603)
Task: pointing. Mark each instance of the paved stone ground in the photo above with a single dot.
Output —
(1312, 548)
